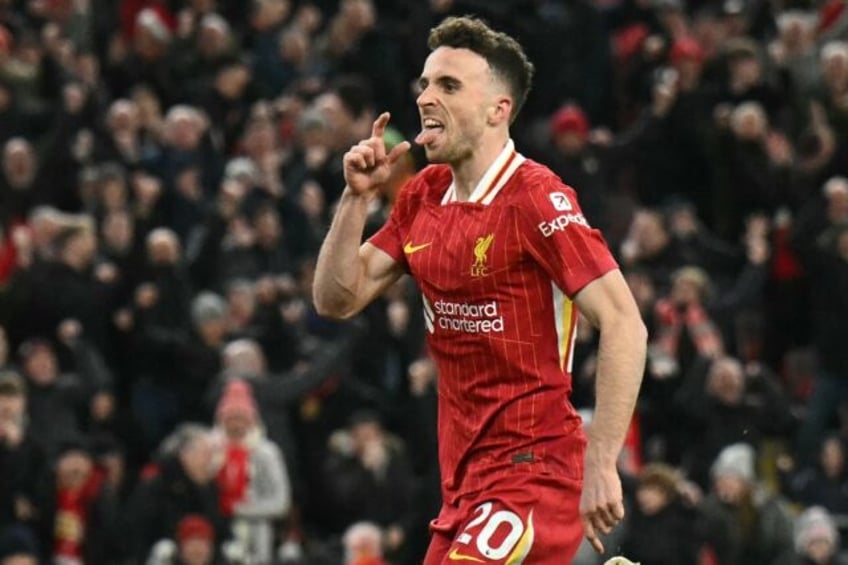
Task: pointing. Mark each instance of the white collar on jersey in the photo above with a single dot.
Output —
(494, 179)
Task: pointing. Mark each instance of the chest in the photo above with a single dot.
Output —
(458, 247)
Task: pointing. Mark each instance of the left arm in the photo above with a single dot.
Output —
(609, 305)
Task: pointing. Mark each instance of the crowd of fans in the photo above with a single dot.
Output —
(168, 394)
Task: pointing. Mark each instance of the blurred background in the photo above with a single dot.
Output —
(169, 167)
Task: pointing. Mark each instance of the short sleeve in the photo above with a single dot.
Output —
(560, 239)
(390, 238)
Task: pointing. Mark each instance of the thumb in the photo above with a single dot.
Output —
(398, 151)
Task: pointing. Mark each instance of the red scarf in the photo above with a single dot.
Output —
(233, 478)
(702, 331)
(69, 527)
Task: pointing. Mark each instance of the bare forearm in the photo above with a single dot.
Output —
(621, 363)
(338, 270)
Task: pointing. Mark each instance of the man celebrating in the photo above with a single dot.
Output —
(504, 259)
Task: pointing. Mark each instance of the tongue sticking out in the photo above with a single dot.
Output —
(427, 135)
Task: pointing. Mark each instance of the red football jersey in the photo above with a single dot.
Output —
(497, 274)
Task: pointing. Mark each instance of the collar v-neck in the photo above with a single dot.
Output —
(493, 180)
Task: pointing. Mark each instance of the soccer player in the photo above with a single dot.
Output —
(504, 259)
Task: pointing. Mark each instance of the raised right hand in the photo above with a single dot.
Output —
(367, 166)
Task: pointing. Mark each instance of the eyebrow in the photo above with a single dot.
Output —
(442, 80)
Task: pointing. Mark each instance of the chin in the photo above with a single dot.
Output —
(435, 156)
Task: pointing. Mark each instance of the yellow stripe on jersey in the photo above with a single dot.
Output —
(566, 326)
(525, 543)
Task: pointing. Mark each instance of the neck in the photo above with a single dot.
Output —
(467, 173)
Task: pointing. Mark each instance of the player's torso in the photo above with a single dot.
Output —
(491, 316)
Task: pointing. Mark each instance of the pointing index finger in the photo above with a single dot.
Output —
(379, 126)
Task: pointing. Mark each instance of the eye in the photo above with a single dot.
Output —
(450, 86)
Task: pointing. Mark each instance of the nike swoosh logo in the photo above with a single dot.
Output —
(455, 555)
(409, 249)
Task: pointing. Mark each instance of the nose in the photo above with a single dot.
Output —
(424, 98)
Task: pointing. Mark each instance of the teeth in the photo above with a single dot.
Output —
(431, 123)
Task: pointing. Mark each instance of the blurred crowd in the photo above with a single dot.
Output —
(168, 394)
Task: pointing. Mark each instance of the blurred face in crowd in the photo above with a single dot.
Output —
(749, 121)
(835, 66)
(268, 228)
(232, 81)
(362, 544)
(12, 408)
(244, 357)
(651, 499)
(570, 142)
(123, 116)
(113, 193)
(241, 300)
(832, 457)
(458, 92)
(686, 292)
(338, 119)
(82, 247)
(212, 332)
(149, 108)
(366, 433)
(836, 191)
(731, 489)
(40, 365)
(236, 425)
(726, 381)
(213, 39)
(820, 550)
(118, 231)
(163, 247)
(19, 163)
(745, 72)
(196, 551)
(196, 457)
(73, 469)
(294, 46)
(268, 13)
(184, 128)
(259, 138)
(359, 14)
(649, 233)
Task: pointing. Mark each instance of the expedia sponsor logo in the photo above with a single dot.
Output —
(464, 317)
(561, 222)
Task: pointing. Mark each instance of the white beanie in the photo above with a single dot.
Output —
(736, 460)
(814, 524)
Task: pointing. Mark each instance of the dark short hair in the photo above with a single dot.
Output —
(355, 94)
(504, 54)
(11, 384)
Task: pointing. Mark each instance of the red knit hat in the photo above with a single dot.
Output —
(237, 399)
(686, 48)
(570, 118)
(194, 526)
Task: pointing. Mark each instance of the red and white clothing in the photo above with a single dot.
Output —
(498, 274)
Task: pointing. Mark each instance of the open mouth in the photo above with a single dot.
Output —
(430, 128)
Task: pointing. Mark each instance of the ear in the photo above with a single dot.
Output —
(500, 110)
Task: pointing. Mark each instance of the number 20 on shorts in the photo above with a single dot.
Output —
(515, 543)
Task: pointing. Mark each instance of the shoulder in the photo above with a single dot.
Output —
(429, 182)
(538, 182)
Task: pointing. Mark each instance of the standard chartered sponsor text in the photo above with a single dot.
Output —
(470, 318)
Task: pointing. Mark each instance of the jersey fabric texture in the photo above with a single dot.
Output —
(498, 274)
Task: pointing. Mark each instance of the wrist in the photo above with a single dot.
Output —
(600, 455)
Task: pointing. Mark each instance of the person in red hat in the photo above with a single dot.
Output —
(252, 481)
(195, 541)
